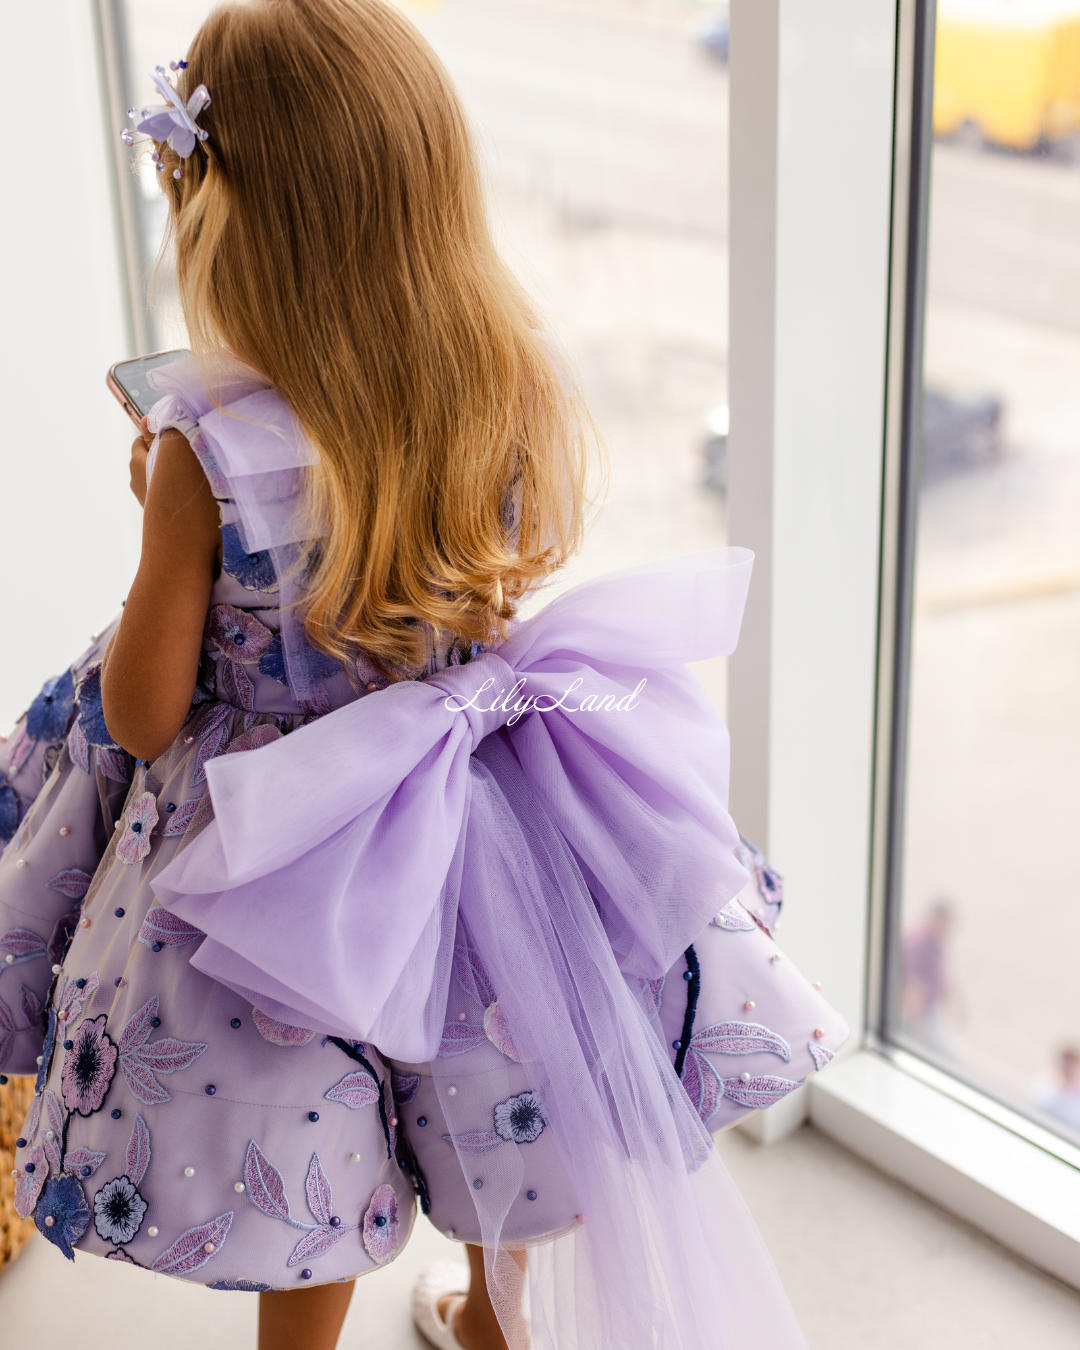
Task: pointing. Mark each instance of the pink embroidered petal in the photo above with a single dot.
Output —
(497, 1031)
(113, 764)
(89, 1067)
(137, 1029)
(355, 1091)
(759, 1093)
(472, 976)
(140, 818)
(78, 747)
(265, 1187)
(237, 684)
(317, 1242)
(84, 1162)
(118, 1254)
(254, 739)
(189, 1251)
(475, 1144)
(819, 1054)
(163, 926)
(381, 1239)
(211, 747)
(280, 1033)
(740, 1038)
(404, 1087)
(176, 822)
(72, 882)
(459, 1038)
(734, 919)
(168, 1055)
(319, 1196)
(28, 1184)
(702, 1085)
(239, 635)
(138, 1150)
(31, 1005)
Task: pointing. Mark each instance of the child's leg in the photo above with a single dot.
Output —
(305, 1319)
(473, 1319)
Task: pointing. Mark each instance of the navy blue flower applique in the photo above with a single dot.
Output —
(91, 714)
(272, 661)
(317, 664)
(47, 1052)
(9, 811)
(49, 715)
(254, 571)
(62, 1214)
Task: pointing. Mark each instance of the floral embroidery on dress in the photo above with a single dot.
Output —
(163, 928)
(254, 571)
(28, 1184)
(404, 1087)
(471, 976)
(459, 1038)
(272, 661)
(118, 1211)
(72, 994)
(91, 713)
(213, 745)
(49, 715)
(702, 1085)
(138, 1150)
(140, 1061)
(280, 1033)
(7, 1033)
(72, 882)
(381, 1225)
(113, 763)
(237, 685)
(519, 1119)
(819, 1054)
(740, 1038)
(734, 919)
(62, 1214)
(254, 739)
(758, 1093)
(193, 1249)
(356, 1090)
(178, 821)
(83, 1162)
(476, 1143)
(328, 1229)
(89, 1067)
(247, 1286)
(19, 750)
(54, 1135)
(30, 1003)
(20, 945)
(497, 1030)
(140, 818)
(46, 1050)
(237, 634)
(9, 811)
(79, 747)
(265, 1184)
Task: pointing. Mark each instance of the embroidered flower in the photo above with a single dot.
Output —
(141, 816)
(91, 715)
(254, 571)
(49, 715)
(519, 1120)
(32, 1176)
(118, 1211)
(62, 1201)
(88, 1067)
(239, 635)
(381, 1225)
(9, 811)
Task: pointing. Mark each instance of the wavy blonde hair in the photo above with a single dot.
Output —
(331, 232)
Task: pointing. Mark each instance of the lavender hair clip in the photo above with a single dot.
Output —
(174, 122)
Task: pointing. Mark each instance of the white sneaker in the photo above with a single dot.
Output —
(445, 1277)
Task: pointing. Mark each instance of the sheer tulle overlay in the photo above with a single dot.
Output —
(570, 849)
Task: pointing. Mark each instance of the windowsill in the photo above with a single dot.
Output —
(960, 1156)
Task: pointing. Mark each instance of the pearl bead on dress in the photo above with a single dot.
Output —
(64, 831)
(21, 863)
(189, 1171)
(749, 1005)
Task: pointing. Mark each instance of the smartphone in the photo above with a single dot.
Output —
(128, 383)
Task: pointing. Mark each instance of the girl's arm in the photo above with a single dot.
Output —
(150, 668)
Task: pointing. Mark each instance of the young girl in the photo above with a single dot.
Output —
(333, 888)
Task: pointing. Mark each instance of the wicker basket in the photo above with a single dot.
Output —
(15, 1097)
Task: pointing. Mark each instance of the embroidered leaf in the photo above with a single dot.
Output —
(317, 704)
(181, 818)
(54, 1117)
(209, 720)
(113, 764)
(52, 1153)
(355, 1090)
(734, 919)
(78, 747)
(71, 998)
(162, 925)
(280, 1033)
(238, 686)
(31, 1005)
(7, 1043)
(144, 1086)
(168, 1055)
(79, 1159)
(460, 1037)
(28, 1185)
(740, 1038)
(214, 744)
(702, 1085)
(137, 1029)
(759, 1093)
(471, 975)
(265, 1187)
(254, 738)
(189, 1252)
(19, 748)
(33, 1116)
(7, 1021)
(476, 1143)
(72, 882)
(152, 784)
(651, 993)
(319, 1196)
(819, 1054)
(23, 944)
(497, 1030)
(318, 1241)
(404, 1087)
(138, 1150)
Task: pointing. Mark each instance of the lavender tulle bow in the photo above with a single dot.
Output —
(576, 851)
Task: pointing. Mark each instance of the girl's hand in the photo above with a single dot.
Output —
(140, 448)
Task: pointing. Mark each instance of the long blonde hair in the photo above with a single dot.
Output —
(331, 232)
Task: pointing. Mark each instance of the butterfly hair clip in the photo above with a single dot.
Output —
(174, 122)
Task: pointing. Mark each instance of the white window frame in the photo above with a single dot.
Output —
(825, 270)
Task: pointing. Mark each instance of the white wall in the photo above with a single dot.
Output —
(69, 528)
(811, 152)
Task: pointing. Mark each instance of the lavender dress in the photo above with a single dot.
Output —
(421, 955)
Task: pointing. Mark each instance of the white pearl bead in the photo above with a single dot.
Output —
(775, 957)
(21, 862)
(40, 1060)
(189, 1171)
(208, 1247)
(10, 958)
(745, 1077)
(392, 1122)
(816, 984)
(49, 1134)
(818, 1033)
(238, 1187)
(451, 1091)
(57, 969)
(49, 1220)
(151, 1232)
(355, 1157)
(461, 1017)
(16, 1173)
(749, 1005)
(449, 1232)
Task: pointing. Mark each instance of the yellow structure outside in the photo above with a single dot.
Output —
(1010, 67)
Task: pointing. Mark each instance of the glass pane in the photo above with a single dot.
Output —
(603, 132)
(990, 927)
